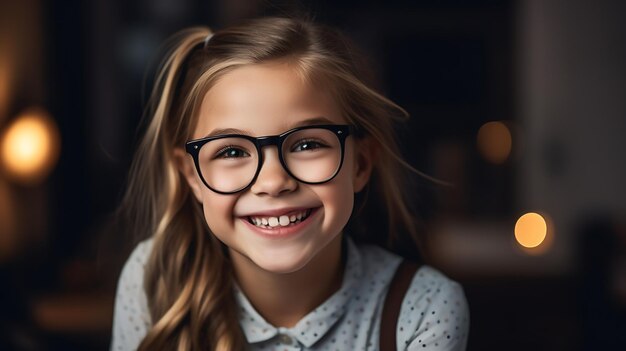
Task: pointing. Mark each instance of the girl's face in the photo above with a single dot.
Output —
(269, 99)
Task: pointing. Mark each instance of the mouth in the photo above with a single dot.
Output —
(286, 220)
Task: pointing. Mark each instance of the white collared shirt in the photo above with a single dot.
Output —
(434, 314)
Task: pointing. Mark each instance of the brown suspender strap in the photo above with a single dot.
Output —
(391, 310)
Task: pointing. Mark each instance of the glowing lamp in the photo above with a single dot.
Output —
(29, 147)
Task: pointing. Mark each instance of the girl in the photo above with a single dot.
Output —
(261, 138)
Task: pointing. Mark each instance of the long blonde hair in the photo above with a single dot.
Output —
(188, 278)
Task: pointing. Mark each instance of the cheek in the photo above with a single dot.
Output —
(218, 210)
(338, 197)
(343, 201)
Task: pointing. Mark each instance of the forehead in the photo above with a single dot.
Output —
(263, 99)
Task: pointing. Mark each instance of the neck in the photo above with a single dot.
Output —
(286, 298)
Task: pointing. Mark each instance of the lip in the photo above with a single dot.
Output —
(282, 232)
(277, 212)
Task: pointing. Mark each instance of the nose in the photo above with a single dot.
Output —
(273, 180)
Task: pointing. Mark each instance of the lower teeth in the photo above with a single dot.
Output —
(279, 226)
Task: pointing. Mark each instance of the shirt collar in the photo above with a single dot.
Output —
(316, 323)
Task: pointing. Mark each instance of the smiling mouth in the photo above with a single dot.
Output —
(286, 220)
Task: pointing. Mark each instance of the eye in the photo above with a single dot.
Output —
(231, 152)
(307, 145)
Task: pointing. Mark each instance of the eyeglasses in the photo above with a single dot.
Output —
(230, 163)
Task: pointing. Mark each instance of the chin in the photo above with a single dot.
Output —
(281, 263)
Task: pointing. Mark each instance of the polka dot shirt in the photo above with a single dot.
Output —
(434, 314)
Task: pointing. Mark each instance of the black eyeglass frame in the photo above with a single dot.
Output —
(341, 132)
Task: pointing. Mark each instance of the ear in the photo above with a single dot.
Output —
(186, 167)
(366, 154)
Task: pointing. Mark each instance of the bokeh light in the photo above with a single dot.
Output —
(494, 142)
(29, 147)
(531, 230)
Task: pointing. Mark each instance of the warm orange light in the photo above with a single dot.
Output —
(494, 142)
(29, 147)
(531, 230)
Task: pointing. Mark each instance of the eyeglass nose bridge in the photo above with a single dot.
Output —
(271, 140)
(268, 141)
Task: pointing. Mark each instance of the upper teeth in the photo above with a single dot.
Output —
(283, 220)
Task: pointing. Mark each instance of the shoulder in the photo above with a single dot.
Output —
(374, 258)
(131, 319)
(434, 313)
(137, 259)
(131, 277)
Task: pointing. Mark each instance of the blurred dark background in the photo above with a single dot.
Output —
(520, 104)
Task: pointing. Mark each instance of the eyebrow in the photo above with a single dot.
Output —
(307, 122)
